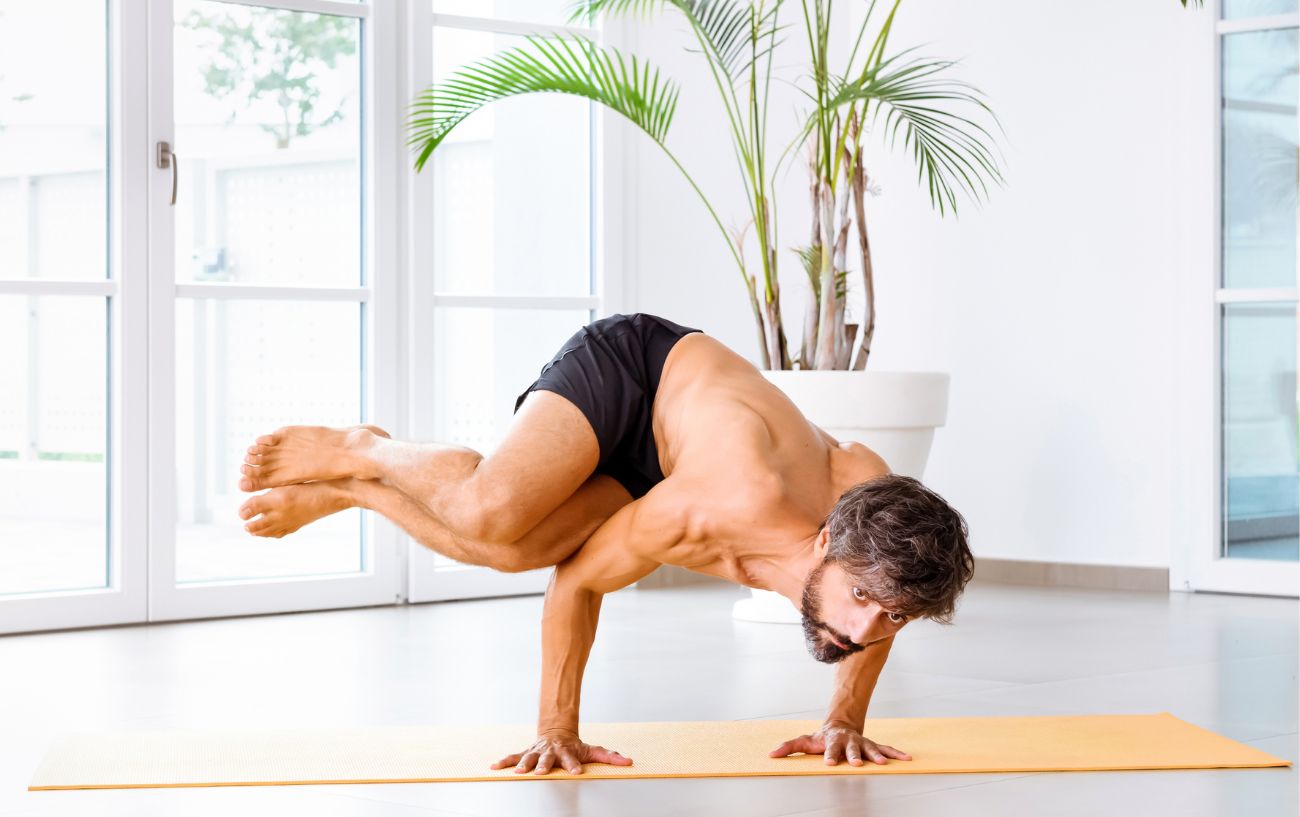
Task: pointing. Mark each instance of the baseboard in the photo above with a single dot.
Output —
(1000, 571)
(673, 576)
(1064, 574)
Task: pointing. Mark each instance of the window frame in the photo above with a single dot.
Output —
(124, 599)
(1201, 532)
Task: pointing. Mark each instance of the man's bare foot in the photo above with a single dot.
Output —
(295, 454)
(286, 509)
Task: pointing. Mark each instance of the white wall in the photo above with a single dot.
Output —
(1060, 307)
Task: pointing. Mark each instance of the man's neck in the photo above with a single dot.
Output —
(785, 572)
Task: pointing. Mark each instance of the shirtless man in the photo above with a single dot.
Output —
(645, 443)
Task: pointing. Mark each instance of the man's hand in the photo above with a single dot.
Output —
(559, 747)
(840, 740)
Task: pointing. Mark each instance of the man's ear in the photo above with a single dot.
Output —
(822, 542)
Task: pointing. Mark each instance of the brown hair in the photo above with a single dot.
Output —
(904, 544)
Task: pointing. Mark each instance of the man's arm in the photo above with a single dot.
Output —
(855, 680)
(620, 552)
(841, 735)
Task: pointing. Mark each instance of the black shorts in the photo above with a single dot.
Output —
(610, 370)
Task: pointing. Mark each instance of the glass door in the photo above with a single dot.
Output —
(1258, 545)
(504, 216)
(267, 306)
(72, 287)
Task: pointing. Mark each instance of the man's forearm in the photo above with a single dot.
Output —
(569, 619)
(855, 680)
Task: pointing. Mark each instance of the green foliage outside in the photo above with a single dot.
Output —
(275, 56)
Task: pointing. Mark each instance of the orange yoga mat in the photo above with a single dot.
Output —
(419, 754)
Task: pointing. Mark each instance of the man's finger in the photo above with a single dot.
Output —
(545, 762)
(875, 755)
(509, 760)
(853, 754)
(599, 754)
(890, 751)
(569, 761)
(803, 743)
(526, 762)
(832, 753)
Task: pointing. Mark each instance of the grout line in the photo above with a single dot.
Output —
(1271, 737)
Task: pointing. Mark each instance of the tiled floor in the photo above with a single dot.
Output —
(1227, 663)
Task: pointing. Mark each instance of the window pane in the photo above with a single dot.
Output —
(511, 187)
(554, 12)
(268, 135)
(484, 360)
(1259, 158)
(53, 139)
(53, 470)
(243, 369)
(1235, 9)
(1260, 457)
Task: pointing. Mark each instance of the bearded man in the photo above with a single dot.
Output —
(643, 443)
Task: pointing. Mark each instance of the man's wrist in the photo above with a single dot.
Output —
(557, 727)
(844, 720)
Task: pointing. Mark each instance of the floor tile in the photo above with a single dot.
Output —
(1225, 662)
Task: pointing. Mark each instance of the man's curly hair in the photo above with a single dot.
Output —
(903, 544)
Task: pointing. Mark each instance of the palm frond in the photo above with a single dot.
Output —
(587, 11)
(725, 27)
(810, 258)
(909, 97)
(567, 65)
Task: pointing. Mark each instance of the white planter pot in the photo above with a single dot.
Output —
(892, 413)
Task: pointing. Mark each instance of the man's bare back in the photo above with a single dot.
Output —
(752, 473)
(645, 443)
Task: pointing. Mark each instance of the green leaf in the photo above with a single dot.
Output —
(567, 65)
(726, 27)
(810, 258)
(910, 98)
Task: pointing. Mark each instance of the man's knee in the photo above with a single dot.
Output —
(487, 515)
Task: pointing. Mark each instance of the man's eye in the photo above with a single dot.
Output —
(859, 594)
(897, 618)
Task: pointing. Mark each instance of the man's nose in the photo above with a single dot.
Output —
(866, 627)
(861, 633)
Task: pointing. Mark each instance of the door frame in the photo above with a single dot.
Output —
(608, 167)
(377, 582)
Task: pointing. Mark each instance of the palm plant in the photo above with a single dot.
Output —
(904, 96)
(908, 99)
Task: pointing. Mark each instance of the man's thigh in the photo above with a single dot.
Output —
(548, 454)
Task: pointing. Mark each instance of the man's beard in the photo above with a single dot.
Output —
(815, 630)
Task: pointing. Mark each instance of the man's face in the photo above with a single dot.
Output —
(839, 619)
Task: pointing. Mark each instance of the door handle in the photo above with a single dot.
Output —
(168, 159)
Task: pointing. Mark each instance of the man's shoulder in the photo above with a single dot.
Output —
(725, 499)
(862, 462)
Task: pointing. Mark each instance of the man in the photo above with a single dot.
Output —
(645, 443)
